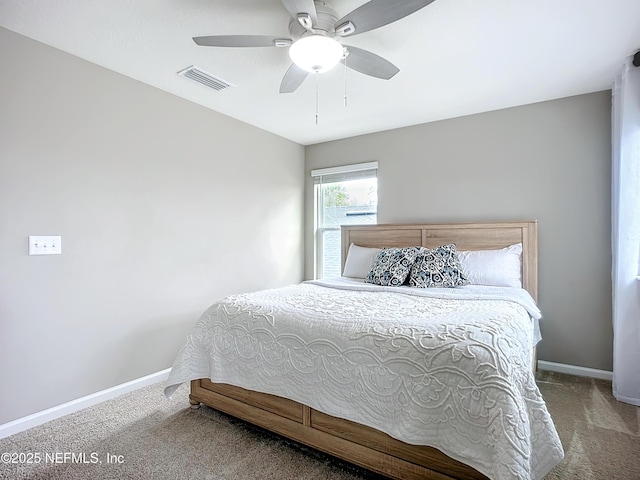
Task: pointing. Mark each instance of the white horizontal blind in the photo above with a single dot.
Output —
(345, 172)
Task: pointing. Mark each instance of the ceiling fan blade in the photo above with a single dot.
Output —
(377, 13)
(369, 63)
(241, 41)
(292, 79)
(296, 7)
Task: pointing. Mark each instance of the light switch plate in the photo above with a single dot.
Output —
(45, 245)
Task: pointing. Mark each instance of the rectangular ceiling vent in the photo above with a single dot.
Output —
(200, 76)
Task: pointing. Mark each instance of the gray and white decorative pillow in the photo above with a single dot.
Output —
(437, 267)
(392, 265)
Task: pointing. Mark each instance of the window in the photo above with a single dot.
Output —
(345, 195)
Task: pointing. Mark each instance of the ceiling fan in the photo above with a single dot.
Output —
(315, 33)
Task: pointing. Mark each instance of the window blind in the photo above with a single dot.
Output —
(345, 172)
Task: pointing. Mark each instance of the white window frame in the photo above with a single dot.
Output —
(333, 175)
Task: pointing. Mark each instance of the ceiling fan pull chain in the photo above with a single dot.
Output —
(346, 54)
(317, 96)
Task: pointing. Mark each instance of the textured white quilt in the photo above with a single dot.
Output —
(449, 368)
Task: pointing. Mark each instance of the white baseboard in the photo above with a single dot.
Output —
(25, 423)
(573, 370)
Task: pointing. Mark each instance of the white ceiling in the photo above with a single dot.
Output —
(456, 57)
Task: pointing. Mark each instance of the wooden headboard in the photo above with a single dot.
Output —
(466, 236)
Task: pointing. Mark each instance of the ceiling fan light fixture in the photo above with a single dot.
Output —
(316, 53)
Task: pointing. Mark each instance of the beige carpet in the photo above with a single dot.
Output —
(601, 436)
(142, 435)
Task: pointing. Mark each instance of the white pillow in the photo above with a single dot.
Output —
(500, 268)
(359, 261)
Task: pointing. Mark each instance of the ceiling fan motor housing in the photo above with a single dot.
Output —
(327, 18)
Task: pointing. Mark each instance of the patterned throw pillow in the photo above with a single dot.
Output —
(438, 267)
(392, 266)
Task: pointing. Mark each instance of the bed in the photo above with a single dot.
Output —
(364, 373)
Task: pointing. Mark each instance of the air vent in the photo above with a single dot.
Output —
(200, 76)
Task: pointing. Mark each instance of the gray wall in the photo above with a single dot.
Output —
(163, 207)
(548, 161)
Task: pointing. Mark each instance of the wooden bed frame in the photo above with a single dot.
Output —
(358, 444)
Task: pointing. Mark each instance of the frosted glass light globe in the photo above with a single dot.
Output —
(316, 53)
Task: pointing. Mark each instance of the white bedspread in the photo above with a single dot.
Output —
(449, 368)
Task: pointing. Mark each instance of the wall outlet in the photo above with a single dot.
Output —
(45, 245)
